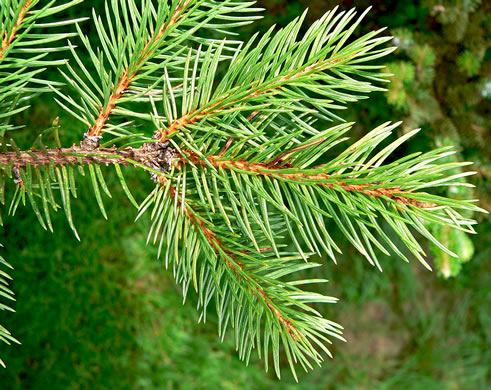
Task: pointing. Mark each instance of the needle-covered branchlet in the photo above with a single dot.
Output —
(226, 103)
(128, 76)
(324, 180)
(9, 36)
(161, 156)
(223, 253)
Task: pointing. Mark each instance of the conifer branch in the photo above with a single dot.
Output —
(110, 156)
(137, 44)
(232, 262)
(22, 57)
(9, 36)
(128, 76)
(245, 188)
(271, 87)
(322, 179)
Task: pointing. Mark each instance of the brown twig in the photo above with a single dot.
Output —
(77, 155)
(261, 169)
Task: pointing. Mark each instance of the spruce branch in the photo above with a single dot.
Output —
(246, 285)
(276, 75)
(246, 185)
(263, 169)
(9, 36)
(231, 260)
(128, 75)
(21, 58)
(133, 51)
(21, 64)
(353, 190)
(223, 103)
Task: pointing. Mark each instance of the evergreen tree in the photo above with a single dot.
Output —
(229, 134)
(452, 108)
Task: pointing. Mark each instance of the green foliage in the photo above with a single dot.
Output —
(470, 62)
(449, 106)
(247, 185)
(24, 50)
(458, 242)
(404, 73)
(5, 293)
(110, 308)
(22, 59)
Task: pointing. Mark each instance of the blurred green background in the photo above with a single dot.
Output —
(103, 313)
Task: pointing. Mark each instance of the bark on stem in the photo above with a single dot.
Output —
(261, 169)
(154, 159)
(74, 155)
